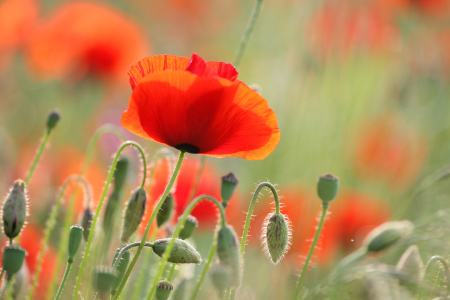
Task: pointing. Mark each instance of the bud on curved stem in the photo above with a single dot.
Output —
(387, 234)
(166, 210)
(229, 183)
(15, 210)
(53, 118)
(446, 269)
(134, 213)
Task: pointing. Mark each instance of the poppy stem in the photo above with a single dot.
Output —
(63, 281)
(447, 272)
(247, 33)
(100, 204)
(150, 222)
(37, 157)
(8, 283)
(176, 233)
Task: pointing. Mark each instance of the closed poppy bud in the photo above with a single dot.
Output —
(53, 119)
(188, 228)
(13, 257)
(110, 211)
(86, 222)
(15, 209)
(276, 236)
(387, 234)
(120, 173)
(229, 183)
(221, 277)
(182, 252)
(163, 290)
(327, 187)
(103, 278)
(410, 265)
(134, 212)
(228, 253)
(165, 212)
(121, 268)
(75, 236)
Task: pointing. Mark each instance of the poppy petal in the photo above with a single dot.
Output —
(197, 65)
(224, 70)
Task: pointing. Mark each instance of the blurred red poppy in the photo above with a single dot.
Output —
(431, 8)
(199, 107)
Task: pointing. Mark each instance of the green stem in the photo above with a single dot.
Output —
(63, 281)
(177, 231)
(149, 224)
(247, 33)
(37, 157)
(311, 250)
(171, 272)
(447, 272)
(100, 204)
(8, 282)
(227, 294)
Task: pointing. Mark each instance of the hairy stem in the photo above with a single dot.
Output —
(63, 281)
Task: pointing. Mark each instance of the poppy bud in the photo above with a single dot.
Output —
(221, 277)
(13, 257)
(228, 253)
(163, 290)
(410, 265)
(121, 268)
(103, 278)
(110, 211)
(327, 187)
(387, 234)
(15, 209)
(229, 183)
(181, 290)
(86, 221)
(75, 236)
(120, 173)
(165, 212)
(276, 236)
(53, 119)
(134, 212)
(188, 228)
(182, 252)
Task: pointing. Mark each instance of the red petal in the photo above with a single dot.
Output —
(197, 65)
(224, 70)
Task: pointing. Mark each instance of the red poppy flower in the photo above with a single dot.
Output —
(199, 107)
(431, 8)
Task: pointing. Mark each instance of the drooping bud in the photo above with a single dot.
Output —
(221, 277)
(86, 221)
(163, 290)
(181, 290)
(102, 279)
(120, 173)
(13, 257)
(229, 183)
(411, 266)
(120, 269)
(182, 252)
(387, 234)
(189, 227)
(15, 209)
(53, 118)
(110, 212)
(165, 212)
(276, 236)
(228, 253)
(134, 213)
(327, 187)
(75, 236)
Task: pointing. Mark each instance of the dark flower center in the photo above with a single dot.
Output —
(188, 148)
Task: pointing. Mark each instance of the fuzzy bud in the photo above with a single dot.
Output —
(15, 209)
(410, 265)
(110, 212)
(228, 253)
(75, 236)
(387, 234)
(165, 212)
(163, 290)
(327, 187)
(120, 173)
(121, 268)
(86, 221)
(13, 257)
(189, 227)
(276, 236)
(221, 277)
(103, 278)
(134, 213)
(182, 251)
(53, 118)
(229, 183)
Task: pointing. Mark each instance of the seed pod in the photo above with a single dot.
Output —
(134, 212)
(410, 265)
(387, 234)
(120, 174)
(182, 252)
(228, 253)
(15, 209)
(86, 222)
(103, 279)
(181, 290)
(163, 290)
(229, 183)
(13, 257)
(221, 277)
(327, 187)
(52, 119)
(75, 236)
(165, 212)
(189, 227)
(110, 212)
(276, 236)
(120, 269)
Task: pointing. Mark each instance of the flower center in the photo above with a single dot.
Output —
(188, 148)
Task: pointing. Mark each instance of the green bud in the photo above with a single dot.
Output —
(53, 119)
(221, 277)
(13, 257)
(327, 187)
(165, 212)
(86, 221)
(411, 266)
(188, 227)
(163, 290)
(228, 253)
(103, 278)
(110, 212)
(387, 234)
(15, 209)
(181, 290)
(75, 236)
(121, 268)
(276, 236)
(120, 173)
(229, 183)
(134, 213)
(182, 251)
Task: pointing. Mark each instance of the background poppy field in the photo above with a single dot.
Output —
(360, 89)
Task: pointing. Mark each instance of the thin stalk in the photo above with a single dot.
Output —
(171, 272)
(8, 283)
(100, 204)
(447, 273)
(63, 281)
(177, 231)
(37, 157)
(227, 294)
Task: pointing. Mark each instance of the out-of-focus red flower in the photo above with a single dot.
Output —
(431, 8)
(85, 38)
(199, 107)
